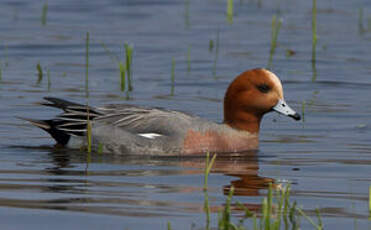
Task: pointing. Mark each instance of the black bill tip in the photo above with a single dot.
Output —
(296, 116)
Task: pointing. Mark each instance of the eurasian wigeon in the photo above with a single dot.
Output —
(135, 130)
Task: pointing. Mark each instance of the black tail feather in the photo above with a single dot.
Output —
(70, 123)
(50, 126)
(60, 103)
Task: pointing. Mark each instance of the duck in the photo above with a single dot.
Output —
(125, 129)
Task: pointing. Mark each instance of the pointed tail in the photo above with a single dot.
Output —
(49, 126)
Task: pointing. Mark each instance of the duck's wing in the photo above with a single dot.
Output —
(144, 120)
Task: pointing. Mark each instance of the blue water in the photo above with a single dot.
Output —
(326, 158)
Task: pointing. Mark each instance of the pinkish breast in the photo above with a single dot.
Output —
(197, 142)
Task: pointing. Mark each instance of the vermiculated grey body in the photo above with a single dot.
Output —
(126, 129)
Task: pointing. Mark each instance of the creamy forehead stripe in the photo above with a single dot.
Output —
(276, 81)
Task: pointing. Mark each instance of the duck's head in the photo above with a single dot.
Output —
(251, 95)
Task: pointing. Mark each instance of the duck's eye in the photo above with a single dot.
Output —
(264, 88)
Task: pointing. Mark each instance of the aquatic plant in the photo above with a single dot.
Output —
(125, 70)
(211, 45)
(39, 73)
(129, 62)
(186, 13)
(122, 76)
(44, 13)
(49, 80)
(303, 110)
(6, 62)
(360, 21)
(314, 30)
(88, 130)
(260, 3)
(230, 11)
(216, 51)
(314, 72)
(208, 166)
(276, 26)
(87, 64)
(113, 56)
(100, 148)
(277, 211)
(369, 199)
(172, 76)
(189, 59)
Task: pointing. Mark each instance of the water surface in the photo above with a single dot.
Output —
(326, 158)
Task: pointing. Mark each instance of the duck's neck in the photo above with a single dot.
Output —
(243, 121)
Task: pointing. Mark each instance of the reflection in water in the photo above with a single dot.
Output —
(243, 166)
(314, 71)
(67, 185)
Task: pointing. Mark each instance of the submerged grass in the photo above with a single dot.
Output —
(369, 200)
(208, 166)
(100, 148)
(216, 51)
(314, 30)
(277, 211)
(122, 76)
(230, 11)
(172, 78)
(39, 73)
(211, 45)
(49, 80)
(361, 27)
(87, 65)
(186, 14)
(89, 131)
(276, 26)
(189, 59)
(303, 110)
(314, 72)
(44, 13)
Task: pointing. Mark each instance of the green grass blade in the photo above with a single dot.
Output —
(320, 223)
(89, 133)
(100, 148)
(39, 73)
(87, 64)
(211, 45)
(187, 14)
(129, 63)
(189, 59)
(308, 218)
(49, 78)
(314, 29)
(216, 51)
(122, 76)
(208, 166)
(276, 26)
(44, 13)
(172, 76)
(230, 11)
(303, 110)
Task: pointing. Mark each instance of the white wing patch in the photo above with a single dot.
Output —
(149, 135)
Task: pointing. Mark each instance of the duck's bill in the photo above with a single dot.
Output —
(283, 108)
